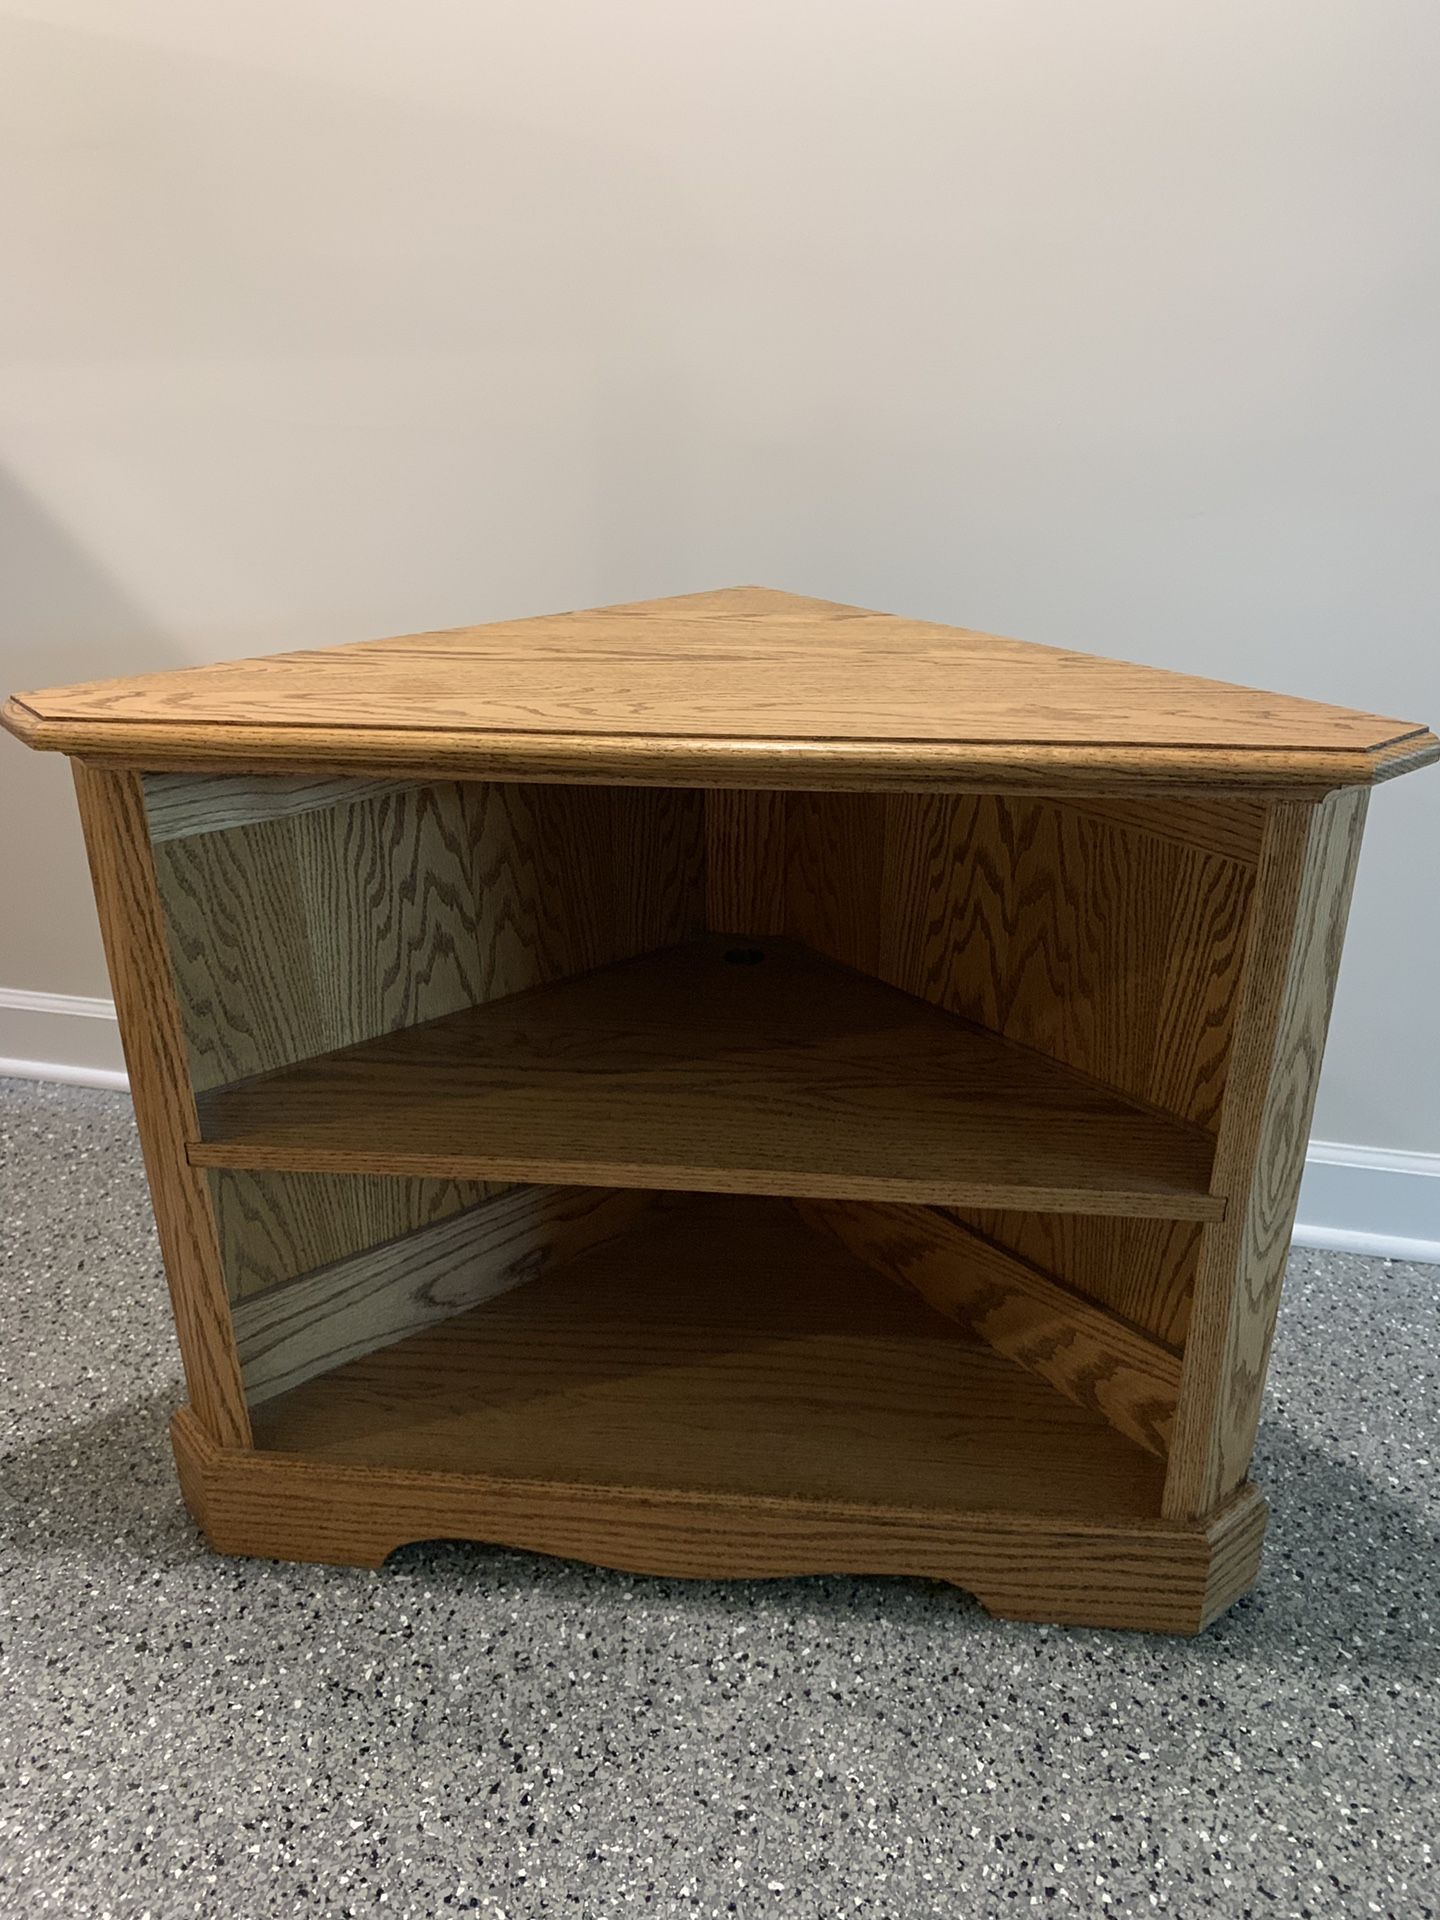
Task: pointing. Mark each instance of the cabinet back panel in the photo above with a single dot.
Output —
(1101, 937)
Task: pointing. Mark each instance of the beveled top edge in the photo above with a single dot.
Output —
(805, 766)
(752, 683)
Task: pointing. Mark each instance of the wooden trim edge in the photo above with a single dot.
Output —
(179, 805)
(1298, 916)
(132, 924)
(1405, 754)
(27, 725)
(696, 1177)
(721, 760)
(1156, 1576)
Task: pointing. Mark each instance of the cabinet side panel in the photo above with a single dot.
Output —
(112, 811)
(387, 888)
(1103, 945)
(295, 935)
(1302, 899)
(1103, 937)
(275, 1226)
(235, 914)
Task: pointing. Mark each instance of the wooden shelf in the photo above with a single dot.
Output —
(1018, 1047)
(720, 1347)
(689, 1069)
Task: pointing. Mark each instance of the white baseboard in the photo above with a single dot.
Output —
(114, 1079)
(1353, 1200)
(60, 1036)
(1370, 1200)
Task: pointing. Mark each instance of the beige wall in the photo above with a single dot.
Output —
(1108, 325)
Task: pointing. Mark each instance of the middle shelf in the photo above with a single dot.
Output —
(728, 1066)
(720, 1066)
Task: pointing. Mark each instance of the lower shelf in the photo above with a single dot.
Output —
(724, 1393)
(720, 1345)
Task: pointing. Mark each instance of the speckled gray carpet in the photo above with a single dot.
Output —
(476, 1731)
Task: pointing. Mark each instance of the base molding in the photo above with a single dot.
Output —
(1160, 1576)
(69, 1037)
(1370, 1200)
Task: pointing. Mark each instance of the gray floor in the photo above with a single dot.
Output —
(475, 1731)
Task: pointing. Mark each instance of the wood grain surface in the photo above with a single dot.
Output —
(1091, 1356)
(275, 1226)
(1155, 1576)
(179, 804)
(302, 933)
(112, 812)
(763, 689)
(1303, 888)
(1143, 1270)
(1108, 947)
(1208, 823)
(1108, 943)
(1109, 934)
(685, 1069)
(746, 858)
(720, 1345)
(320, 1320)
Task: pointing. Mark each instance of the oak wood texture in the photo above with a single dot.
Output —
(1111, 947)
(774, 1413)
(1154, 1576)
(1142, 1270)
(1303, 888)
(1091, 1356)
(1030, 958)
(112, 812)
(1096, 933)
(297, 934)
(1220, 823)
(179, 804)
(745, 688)
(685, 1069)
(720, 1345)
(746, 861)
(274, 1227)
(322, 1319)
(1106, 946)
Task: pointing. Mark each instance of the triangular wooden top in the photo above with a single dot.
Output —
(746, 686)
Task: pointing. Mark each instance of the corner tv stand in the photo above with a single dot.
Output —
(733, 1085)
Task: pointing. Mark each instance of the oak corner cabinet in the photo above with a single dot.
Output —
(727, 1085)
